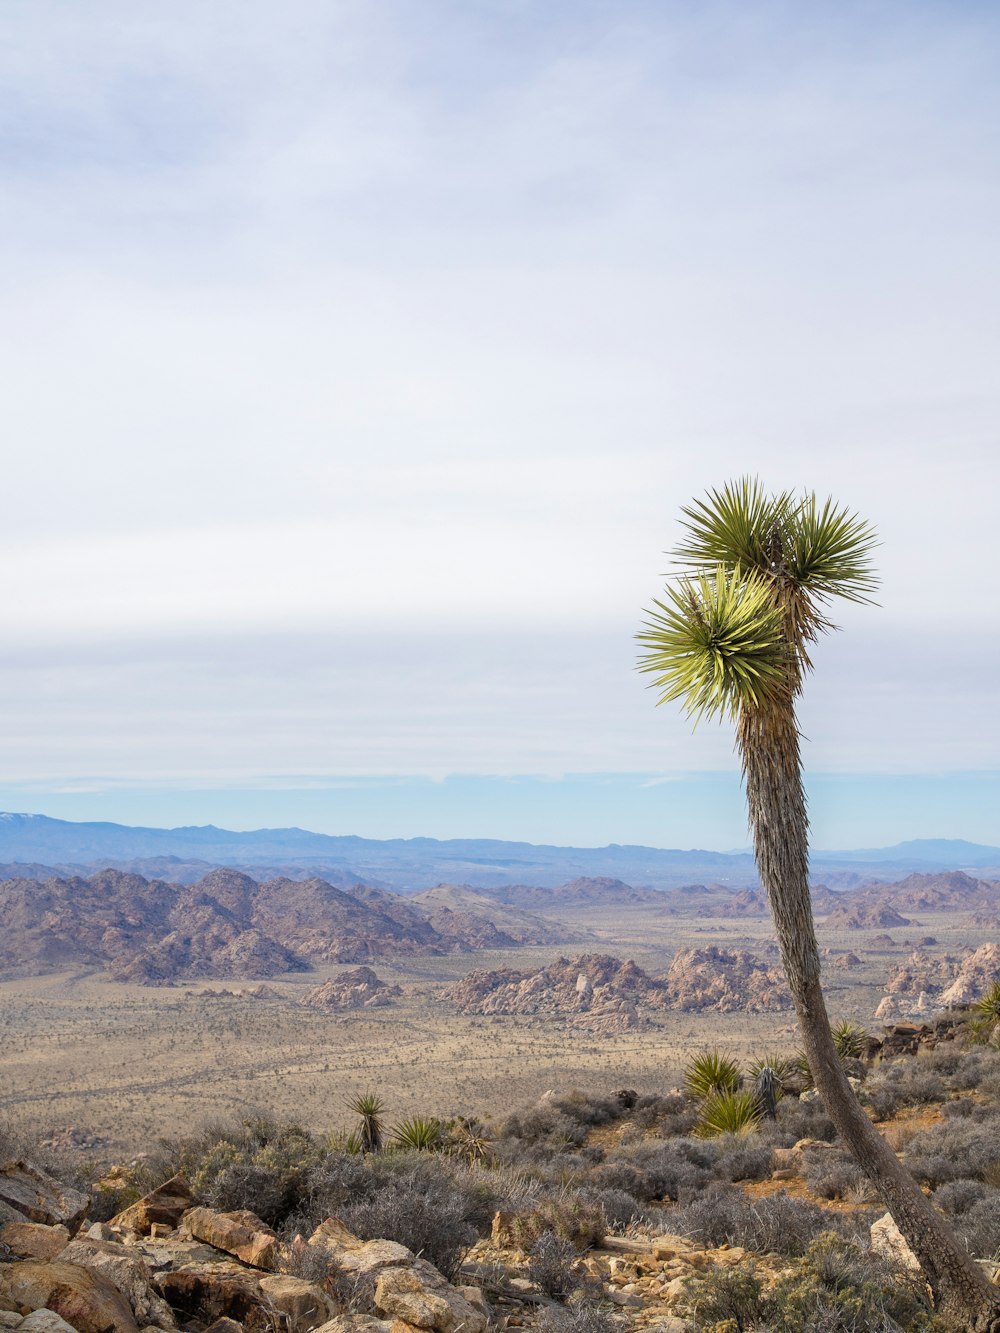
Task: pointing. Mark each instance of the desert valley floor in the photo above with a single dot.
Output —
(128, 1062)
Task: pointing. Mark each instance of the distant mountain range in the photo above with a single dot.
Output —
(36, 846)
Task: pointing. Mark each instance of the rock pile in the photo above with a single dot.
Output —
(865, 916)
(726, 981)
(595, 992)
(358, 989)
(924, 983)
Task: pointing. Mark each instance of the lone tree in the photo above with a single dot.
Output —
(731, 639)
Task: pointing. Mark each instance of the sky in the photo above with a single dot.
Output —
(358, 358)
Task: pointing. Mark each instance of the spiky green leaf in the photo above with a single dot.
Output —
(716, 644)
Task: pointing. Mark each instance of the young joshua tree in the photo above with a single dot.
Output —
(731, 640)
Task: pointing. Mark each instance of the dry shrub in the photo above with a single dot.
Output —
(573, 1220)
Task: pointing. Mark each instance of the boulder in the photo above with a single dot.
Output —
(31, 1240)
(11, 1319)
(126, 1270)
(371, 1256)
(29, 1194)
(332, 1234)
(422, 1297)
(84, 1299)
(165, 1205)
(358, 1257)
(242, 1234)
(224, 1325)
(45, 1321)
(302, 1305)
(889, 1242)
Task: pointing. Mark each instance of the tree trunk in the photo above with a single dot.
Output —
(769, 748)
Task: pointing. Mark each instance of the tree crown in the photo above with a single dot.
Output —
(756, 574)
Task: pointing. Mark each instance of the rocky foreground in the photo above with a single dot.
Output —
(168, 1263)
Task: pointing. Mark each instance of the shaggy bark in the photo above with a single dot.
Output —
(769, 746)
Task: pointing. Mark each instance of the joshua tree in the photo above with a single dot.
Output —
(731, 640)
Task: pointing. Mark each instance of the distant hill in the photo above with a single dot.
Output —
(455, 910)
(229, 925)
(33, 845)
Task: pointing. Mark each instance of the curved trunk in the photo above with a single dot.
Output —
(769, 748)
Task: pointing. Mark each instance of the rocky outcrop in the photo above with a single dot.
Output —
(407, 1288)
(599, 993)
(224, 1272)
(925, 983)
(474, 920)
(358, 989)
(865, 916)
(725, 981)
(595, 992)
(847, 961)
(127, 1272)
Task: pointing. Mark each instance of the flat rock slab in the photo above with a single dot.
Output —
(32, 1240)
(178, 1253)
(29, 1194)
(242, 1234)
(164, 1206)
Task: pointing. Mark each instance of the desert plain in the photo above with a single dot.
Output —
(129, 1063)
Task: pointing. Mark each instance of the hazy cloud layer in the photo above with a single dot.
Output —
(359, 356)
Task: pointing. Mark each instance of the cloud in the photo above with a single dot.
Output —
(359, 358)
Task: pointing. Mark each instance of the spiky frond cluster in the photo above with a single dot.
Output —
(729, 1112)
(850, 1039)
(709, 1072)
(988, 1004)
(419, 1133)
(758, 571)
(784, 1068)
(715, 644)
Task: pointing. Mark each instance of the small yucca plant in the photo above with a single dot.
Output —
(728, 1112)
(784, 1068)
(984, 1024)
(711, 1072)
(371, 1130)
(419, 1133)
(802, 1075)
(850, 1039)
(988, 1004)
(469, 1139)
